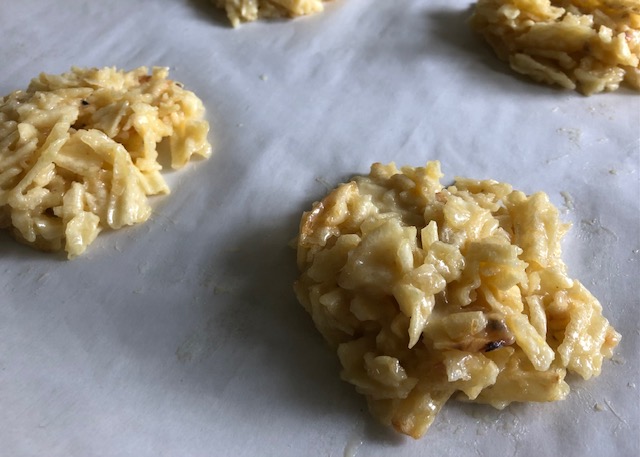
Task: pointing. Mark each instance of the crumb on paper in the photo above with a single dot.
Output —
(430, 293)
(618, 359)
(353, 446)
(615, 413)
(572, 134)
(602, 109)
(593, 227)
(264, 77)
(555, 159)
(568, 200)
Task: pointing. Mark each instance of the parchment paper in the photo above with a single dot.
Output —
(182, 336)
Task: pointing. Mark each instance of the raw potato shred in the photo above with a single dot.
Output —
(78, 152)
(430, 293)
(587, 45)
(250, 10)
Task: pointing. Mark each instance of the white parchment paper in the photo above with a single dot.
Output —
(182, 337)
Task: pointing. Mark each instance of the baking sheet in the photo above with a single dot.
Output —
(183, 337)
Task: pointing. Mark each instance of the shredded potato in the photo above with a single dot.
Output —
(250, 10)
(78, 152)
(588, 45)
(430, 292)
